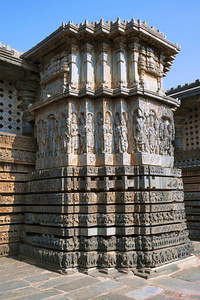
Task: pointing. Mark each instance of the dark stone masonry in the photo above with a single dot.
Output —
(86, 150)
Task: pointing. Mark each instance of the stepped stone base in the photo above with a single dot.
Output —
(109, 217)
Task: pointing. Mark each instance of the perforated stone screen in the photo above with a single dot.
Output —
(191, 136)
(10, 115)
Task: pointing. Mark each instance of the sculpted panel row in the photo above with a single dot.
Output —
(102, 208)
(10, 237)
(12, 199)
(102, 198)
(15, 155)
(15, 141)
(90, 220)
(105, 171)
(9, 249)
(16, 168)
(104, 231)
(133, 259)
(127, 243)
(105, 127)
(105, 183)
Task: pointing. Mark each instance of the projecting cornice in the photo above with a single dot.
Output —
(109, 30)
(185, 91)
(11, 56)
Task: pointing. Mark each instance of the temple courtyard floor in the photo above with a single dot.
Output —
(20, 280)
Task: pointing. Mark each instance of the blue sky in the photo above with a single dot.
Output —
(24, 23)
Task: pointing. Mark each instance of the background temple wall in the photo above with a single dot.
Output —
(187, 150)
(17, 147)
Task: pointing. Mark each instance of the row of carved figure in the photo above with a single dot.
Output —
(71, 220)
(73, 134)
(126, 243)
(104, 259)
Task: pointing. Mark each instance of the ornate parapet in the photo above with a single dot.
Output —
(104, 193)
(103, 59)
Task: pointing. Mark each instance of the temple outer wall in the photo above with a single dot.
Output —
(187, 150)
(18, 86)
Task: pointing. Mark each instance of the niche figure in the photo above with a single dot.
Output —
(90, 133)
(166, 135)
(120, 135)
(107, 134)
(51, 136)
(41, 138)
(74, 130)
(140, 131)
(153, 132)
(100, 132)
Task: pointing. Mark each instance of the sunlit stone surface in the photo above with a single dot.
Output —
(104, 193)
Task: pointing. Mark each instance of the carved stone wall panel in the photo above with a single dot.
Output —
(16, 161)
(104, 126)
(104, 193)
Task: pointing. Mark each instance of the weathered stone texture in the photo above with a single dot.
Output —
(17, 152)
(104, 192)
(13, 187)
(187, 154)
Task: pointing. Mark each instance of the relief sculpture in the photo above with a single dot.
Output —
(90, 133)
(108, 132)
(140, 131)
(120, 133)
(74, 134)
(100, 137)
(153, 127)
(166, 135)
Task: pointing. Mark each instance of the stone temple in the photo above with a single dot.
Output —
(87, 158)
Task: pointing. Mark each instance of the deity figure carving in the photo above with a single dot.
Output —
(140, 131)
(82, 134)
(90, 133)
(107, 129)
(41, 138)
(166, 135)
(57, 138)
(100, 138)
(120, 133)
(171, 130)
(153, 132)
(51, 136)
(74, 130)
(65, 134)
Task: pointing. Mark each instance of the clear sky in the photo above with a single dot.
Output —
(24, 23)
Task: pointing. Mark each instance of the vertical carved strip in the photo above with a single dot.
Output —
(73, 67)
(161, 73)
(122, 74)
(134, 64)
(104, 61)
(142, 66)
(88, 71)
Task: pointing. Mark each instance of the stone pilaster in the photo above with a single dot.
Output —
(26, 99)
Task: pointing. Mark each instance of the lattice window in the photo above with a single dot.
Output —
(191, 132)
(10, 115)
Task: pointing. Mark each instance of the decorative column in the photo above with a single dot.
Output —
(134, 64)
(73, 81)
(142, 66)
(121, 63)
(87, 59)
(104, 61)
